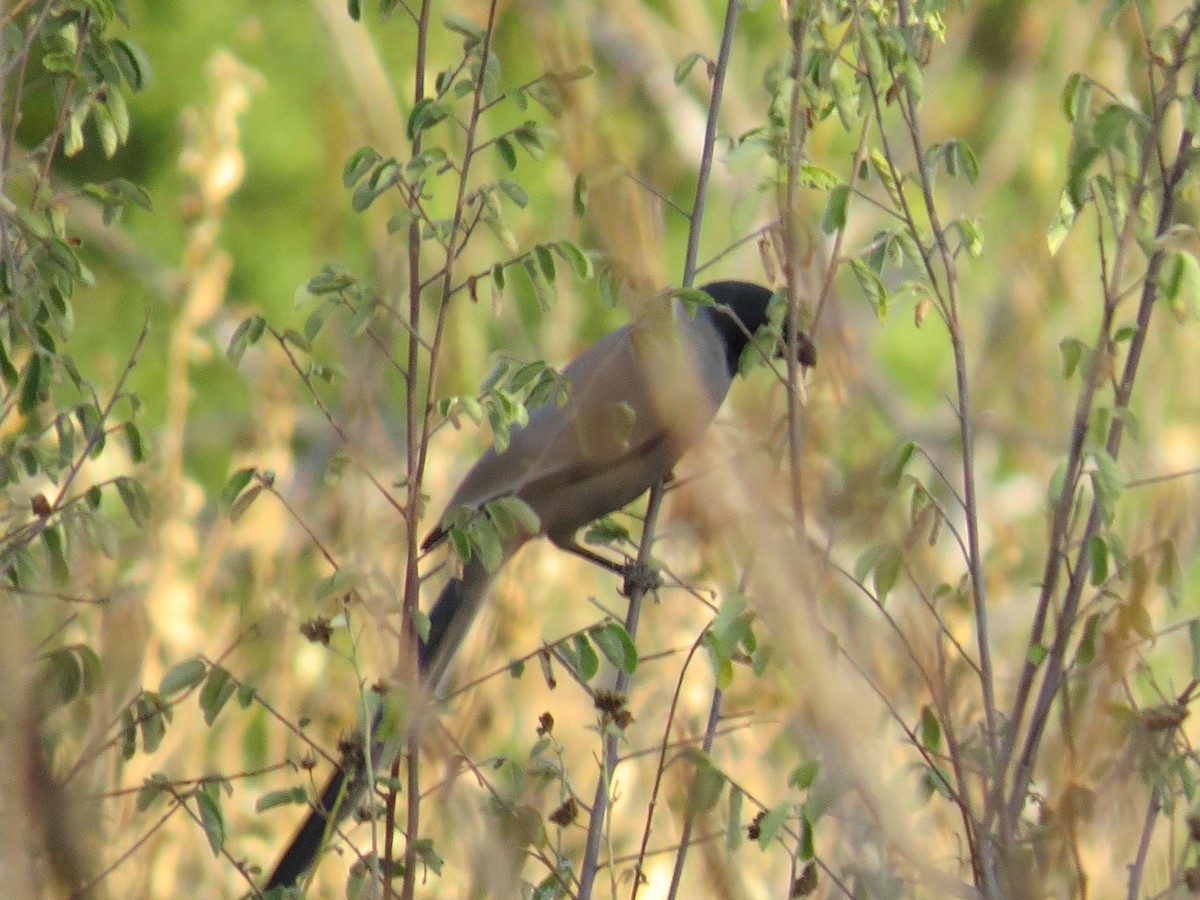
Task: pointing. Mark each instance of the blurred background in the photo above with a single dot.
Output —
(241, 137)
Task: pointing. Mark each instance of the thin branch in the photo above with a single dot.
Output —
(589, 867)
(710, 139)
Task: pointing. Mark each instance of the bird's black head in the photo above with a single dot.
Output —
(747, 307)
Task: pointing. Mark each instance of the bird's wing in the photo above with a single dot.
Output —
(636, 400)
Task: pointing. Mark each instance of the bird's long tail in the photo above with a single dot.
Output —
(303, 849)
(449, 621)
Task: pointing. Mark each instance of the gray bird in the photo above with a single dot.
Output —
(637, 399)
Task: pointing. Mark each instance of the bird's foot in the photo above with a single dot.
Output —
(638, 577)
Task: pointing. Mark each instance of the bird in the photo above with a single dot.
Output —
(636, 400)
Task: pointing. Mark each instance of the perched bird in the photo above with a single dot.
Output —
(636, 400)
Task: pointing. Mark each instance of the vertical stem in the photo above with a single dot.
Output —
(710, 139)
(797, 128)
(599, 816)
(685, 834)
(413, 466)
(420, 403)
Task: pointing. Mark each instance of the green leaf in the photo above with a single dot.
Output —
(806, 848)
(426, 113)
(733, 825)
(463, 26)
(1112, 127)
(152, 718)
(290, 797)
(330, 280)
(970, 236)
(872, 287)
(802, 777)
(893, 467)
(114, 103)
(1083, 153)
(182, 677)
(110, 138)
(507, 153)
(692, 299)
(519, 513)
(834, 218)
(208, 800)
(59, 62)
(814, 176)
(872, 54)
(31, 387)
(485, 543)
(514, 192)
(1061, 223)
(1098, 559)
(1090, 640)
(234, 486)
(721, 662)
(92, 423)
(931, 729)
(400, 221)
(133, 439)
(247, 333)
(128, 737)
(52, 539)
(1106, 482)
(771, 822)
(887, 570)
(887, 177)
(1179, 281)
(1057, 482)
(708, 782)
(1076, 96)
(533, 138)
(587, 661)
(246, 694)
(154, 788)
(575, 258)
(123, 192)
(616, 645)
(545, 261)
(135, 499)
(132, 63)
(427, 857)
(360, 162)
(579, 195)
(684, 67)
(1071, 350)
(216, 692)
(74, 671)
(7, 370)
